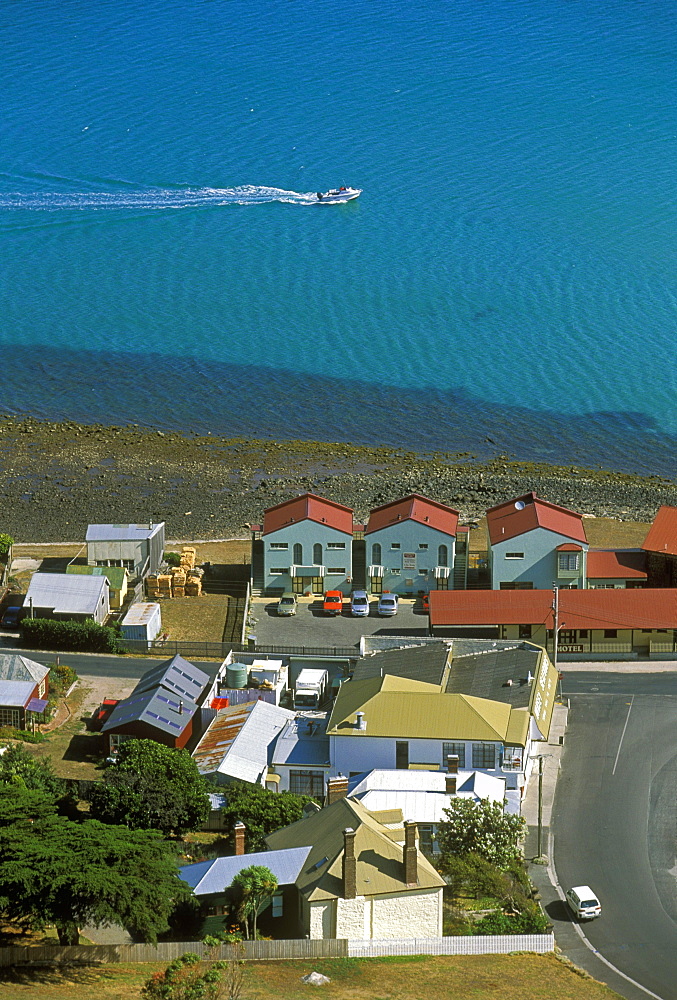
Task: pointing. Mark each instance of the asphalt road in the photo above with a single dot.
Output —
(108, 666)
(615, 824)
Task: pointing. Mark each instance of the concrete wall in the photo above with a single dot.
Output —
(353, 918)
(411, 537)
(320, 918)
(394, 916)
(540, 564)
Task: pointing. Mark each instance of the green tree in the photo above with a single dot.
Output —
(151, 786)
(254, 886)
(480, 828)
(55, 871)
(6, 542)
(19, 804)
(261, 811)
(18, 767)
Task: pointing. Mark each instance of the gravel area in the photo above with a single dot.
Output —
(57, 478)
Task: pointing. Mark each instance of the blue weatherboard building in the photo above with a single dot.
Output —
(411, 546)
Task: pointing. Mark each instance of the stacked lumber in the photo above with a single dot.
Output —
(152, 587)
(193, 586)
(188, 557)
(178, 581)
(165, 585)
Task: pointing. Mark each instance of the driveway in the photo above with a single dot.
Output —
(310, 627)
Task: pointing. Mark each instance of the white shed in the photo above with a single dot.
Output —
(143, 621)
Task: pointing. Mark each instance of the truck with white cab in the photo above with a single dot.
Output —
(310, 690)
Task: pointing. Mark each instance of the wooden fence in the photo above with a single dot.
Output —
(259, 951)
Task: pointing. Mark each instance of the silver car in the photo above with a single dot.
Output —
(388, 604)
(287, 605)
(359, 604)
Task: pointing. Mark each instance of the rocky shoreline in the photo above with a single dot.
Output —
(56, 478)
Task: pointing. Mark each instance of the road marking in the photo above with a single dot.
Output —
(627, 719)
(588, 944)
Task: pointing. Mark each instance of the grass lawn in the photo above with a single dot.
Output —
(527, 977)
(194, 619)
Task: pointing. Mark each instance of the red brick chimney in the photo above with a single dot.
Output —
(239, 838)
(337, 788)
(349, 864)
(410, 854)
(452, 763)
(450, 784)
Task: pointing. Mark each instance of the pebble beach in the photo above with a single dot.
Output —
(56, 478)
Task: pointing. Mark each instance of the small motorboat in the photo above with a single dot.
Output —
(338, 195)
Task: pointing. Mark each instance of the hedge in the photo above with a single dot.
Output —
(87, 637)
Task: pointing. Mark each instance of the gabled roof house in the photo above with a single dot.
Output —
(660, 546)
(533, 543)
(411, 545)
(68, 598)
(24, 686)
(307, 546)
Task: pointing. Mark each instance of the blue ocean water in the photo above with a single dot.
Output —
(506, 282)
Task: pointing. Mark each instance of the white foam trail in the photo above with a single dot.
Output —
(153, 199)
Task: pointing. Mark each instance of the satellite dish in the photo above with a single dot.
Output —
(519, 505)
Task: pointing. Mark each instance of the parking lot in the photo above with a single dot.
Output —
(311, 627)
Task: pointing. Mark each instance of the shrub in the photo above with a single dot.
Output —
(88, 636)
(173, 558)
(8, 733)
(531, 920)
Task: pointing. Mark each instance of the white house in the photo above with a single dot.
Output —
(66, 597)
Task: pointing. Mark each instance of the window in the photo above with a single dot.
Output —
(484, 755)
(525, 631)
(307, 783)
(279, 546)
(453, 749)
(298, 553)
(422, 572)
(401, 756)
(376, 554)
(336, 545)
(337, 570)
(277, 904)
(442, 556)
(514, 555)
(395, 545)
(518, 585)
(42, 688)
(423, 545)
(9, 717)
(568, 561)
(583, 633)
(566, 637)
(317, 553)
(395, 571)
(278, 570)
(425, 837)
(610, 633)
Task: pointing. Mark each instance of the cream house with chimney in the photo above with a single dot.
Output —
(364, 876)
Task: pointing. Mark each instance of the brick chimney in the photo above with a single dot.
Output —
(337, 788)
(239, 838)
(349, 864)
(410, 854)
(452, 763)
(450, 784)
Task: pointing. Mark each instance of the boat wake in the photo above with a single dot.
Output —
(151, 199)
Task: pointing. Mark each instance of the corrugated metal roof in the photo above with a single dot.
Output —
(14, 667)
(380, 865)
(515, 517)
(399, 708)
(500, 675)
(15, 693)
(414, 508)
(66, 594)
(122, 532)
(308, 507)
(178, 675)
(429, 807)
(591, 609)
(158, 707)
(618, 564)
(421, 663)
(662, 536)
(238, 743)
(208, 877)
(141, 614)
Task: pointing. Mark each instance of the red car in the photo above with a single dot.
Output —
(333, 602)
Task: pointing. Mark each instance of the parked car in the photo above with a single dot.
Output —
(11, 617)
(287, 605)
(583, 903)
(388, 604)
(333, 602)
(359, 604)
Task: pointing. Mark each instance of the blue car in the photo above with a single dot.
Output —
(359, 604)
(388, 604)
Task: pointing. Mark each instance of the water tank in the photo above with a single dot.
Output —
(236, 675)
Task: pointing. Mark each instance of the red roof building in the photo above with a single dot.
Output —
(308, 507)
(414, 508)
(616, 568)
(593, 622)
(661, 548)
(515, 517)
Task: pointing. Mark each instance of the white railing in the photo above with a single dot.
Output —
(499, 944)
(611, 647)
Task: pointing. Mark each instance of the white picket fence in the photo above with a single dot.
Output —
(500, 944)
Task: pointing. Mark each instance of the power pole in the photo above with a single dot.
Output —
(540, 807)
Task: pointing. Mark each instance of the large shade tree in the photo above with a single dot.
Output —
(55, 871)
(261, 811)
(151, 786)
(481, 828)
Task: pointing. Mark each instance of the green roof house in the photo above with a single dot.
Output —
(117, 577)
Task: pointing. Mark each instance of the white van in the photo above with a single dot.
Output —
(583, 903)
